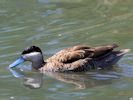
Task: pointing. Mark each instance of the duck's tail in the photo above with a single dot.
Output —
(111, 58)
(122, 52)
(118, 55)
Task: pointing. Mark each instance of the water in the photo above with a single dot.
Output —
(57, 24)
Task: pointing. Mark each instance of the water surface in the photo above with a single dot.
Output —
(57, 24)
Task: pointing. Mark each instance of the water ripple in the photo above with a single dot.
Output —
(11, 29)
(9, 55)
(51, 12)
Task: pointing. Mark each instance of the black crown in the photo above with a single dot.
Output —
(31, 49)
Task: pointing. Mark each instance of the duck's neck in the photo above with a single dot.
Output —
(38, 63)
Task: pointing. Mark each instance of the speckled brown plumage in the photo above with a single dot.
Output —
(82, 58)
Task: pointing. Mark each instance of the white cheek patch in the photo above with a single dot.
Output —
(32, 55)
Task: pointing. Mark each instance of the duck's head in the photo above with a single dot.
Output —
(32, 54)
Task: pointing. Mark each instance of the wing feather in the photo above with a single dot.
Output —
(76, 53)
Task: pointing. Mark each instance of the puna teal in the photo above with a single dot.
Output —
(77, 59)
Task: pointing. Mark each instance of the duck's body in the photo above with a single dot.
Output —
(76, 59)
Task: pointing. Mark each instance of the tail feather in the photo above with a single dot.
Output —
(111, 58)
(123, 51)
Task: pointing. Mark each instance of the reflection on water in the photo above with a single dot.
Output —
(83, 81)
(34, 80)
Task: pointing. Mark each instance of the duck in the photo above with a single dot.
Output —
(78, 58)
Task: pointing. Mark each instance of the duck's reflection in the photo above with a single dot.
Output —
(85, 80)
(80, 80)
(31, 80)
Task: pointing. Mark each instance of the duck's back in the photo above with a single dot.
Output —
(75, 53)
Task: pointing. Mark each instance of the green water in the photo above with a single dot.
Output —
(54, 25)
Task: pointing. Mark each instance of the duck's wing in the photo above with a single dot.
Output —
(70, 55)
(75, 53)
(101, 50)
